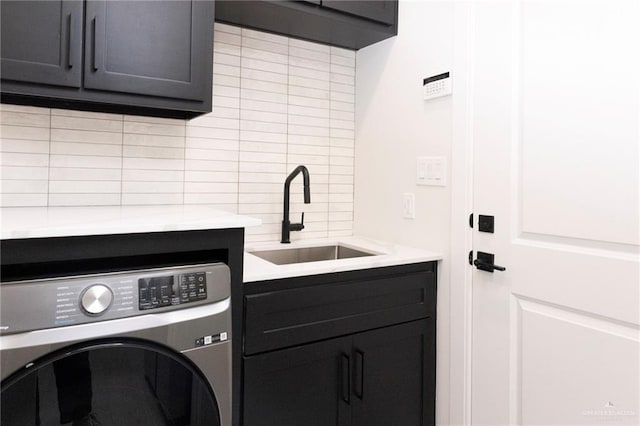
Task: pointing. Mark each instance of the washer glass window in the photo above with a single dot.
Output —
(109, 383)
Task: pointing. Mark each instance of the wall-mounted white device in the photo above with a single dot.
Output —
(431, 171)
(436, 86)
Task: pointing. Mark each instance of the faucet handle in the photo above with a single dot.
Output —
(297, 226)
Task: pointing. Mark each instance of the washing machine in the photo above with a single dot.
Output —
(140, 347)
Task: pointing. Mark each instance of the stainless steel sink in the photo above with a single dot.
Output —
(309, 254)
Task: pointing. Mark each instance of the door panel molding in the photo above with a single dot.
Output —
(605, 376)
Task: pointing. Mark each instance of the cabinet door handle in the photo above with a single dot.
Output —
(94, 54)
(69, 41)
(345, 380)
(359, 374)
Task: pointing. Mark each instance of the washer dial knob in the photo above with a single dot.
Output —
(96, 299)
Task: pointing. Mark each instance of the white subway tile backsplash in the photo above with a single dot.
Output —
(309, 82)
(257, 136)
(88, 199)
(265, 45)
(86, 136)
(23, 200)
(24, 173)
(339, 51)
(226, 48)
(24, 146)
(246, 32)
(343, 88)
(345, 98)
(226, 80)
(222, 90)
(304, 120)
(135, 187)
(24, 132)
(310, 63)
(85, 161)
(24, 186)
(223, 37)
(308, 45)
(343, 61)
(77, 148)
(135, 175)
(309, 111)
(263, 127)
(269, 76)
(277, 103)
(225, 59)
(82, 123)
(228, 28)
(152, 164)
(152, 199)
(24, 119)
(309, 92)
(84, 187)
(27, 160)
(230, 70)
(308, 72)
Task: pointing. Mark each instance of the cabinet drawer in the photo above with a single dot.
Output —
(299, 315)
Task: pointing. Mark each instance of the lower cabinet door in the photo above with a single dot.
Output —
(302, 386)
(394, 375)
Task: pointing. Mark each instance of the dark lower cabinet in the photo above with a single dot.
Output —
(394, 375)
(383, 377)
(299, 386)
(351, 349)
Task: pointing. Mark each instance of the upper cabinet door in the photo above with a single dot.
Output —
(41, 41)
(156, 48)
(377, 10)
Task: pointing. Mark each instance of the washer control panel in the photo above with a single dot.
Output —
(167, 290)
(56, 302)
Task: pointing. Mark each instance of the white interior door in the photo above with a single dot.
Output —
(556, 160)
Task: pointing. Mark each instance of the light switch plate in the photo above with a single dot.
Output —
(431, 171)
(436, 86)
(409, 205)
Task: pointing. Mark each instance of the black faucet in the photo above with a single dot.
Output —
(287, 226)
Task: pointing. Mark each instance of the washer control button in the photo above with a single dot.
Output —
(96, 299)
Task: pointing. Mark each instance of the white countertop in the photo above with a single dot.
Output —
(41, 222)
(257, 269)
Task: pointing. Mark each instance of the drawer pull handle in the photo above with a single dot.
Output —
(345, 380)
(359, 374)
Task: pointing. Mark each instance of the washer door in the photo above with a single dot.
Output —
(125, 382)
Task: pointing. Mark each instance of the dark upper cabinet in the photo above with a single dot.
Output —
(42, 42)
(383, 11)
(348, 24)
(136, 57)
(147, 47)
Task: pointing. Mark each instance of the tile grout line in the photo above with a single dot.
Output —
(239, 125)
(49, 164)
(121, 161)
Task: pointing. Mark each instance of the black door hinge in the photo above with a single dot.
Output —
(471, 220)
(471, 258)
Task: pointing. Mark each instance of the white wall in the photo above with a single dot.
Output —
(394, 125)
(277, 102)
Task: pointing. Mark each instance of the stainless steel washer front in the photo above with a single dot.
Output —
(148, 347)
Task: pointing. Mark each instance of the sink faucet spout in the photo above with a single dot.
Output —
(287, 226)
